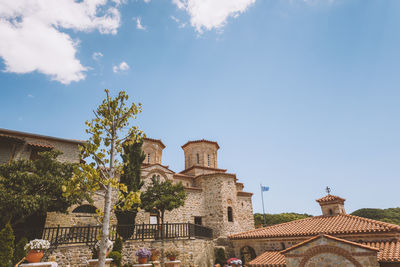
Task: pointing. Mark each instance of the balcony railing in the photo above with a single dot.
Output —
(91, 234)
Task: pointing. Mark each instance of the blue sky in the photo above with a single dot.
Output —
(299, 94)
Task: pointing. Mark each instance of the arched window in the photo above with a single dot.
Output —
(198, 158)
(247, 253)
(85, 209)
(230, 214)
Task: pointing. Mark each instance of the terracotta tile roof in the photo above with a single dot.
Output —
(41, 145)
(332, 225)
(201, 141)
(332, 238)
(269, 259)
(204, 168)
(155, 140)
(389, 250)
(24, 134)
(330, 199)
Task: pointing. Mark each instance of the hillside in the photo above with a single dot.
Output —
(272, 219)
(390, 215)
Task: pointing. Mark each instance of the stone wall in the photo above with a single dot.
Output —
(192, 252)
(71, 256)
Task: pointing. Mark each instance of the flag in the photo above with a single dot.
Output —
(264, 188)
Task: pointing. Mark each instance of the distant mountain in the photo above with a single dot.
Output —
(272, 219)
(391, 215)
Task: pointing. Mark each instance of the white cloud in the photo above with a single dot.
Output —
(32, 37)
(30, 96)
(147, 1)
(123, 66)
(139, 25)
(97, 55)
(212, 14)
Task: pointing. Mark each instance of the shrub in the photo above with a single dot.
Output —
(19, 251)
(117, 258)
(172, 252)
(220, 257)
(118, 245)
(6, 246)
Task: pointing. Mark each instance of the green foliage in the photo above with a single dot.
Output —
(117, 257)
(163, 196)
(6, 246)
(272, 219)
(118, 245)
(19, 251)
(220, 257)
(108, 130)
(390, 215)
(34, 186)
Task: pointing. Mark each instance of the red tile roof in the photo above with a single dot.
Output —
(24, 134)
(201, 141)
(41, 145)
(204, 168)
(330, 199)
(389, 250)
(269, 259)
(332, 225)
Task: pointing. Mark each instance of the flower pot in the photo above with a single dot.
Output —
(34, 256)
(142, 260)
(172, 258)
(153, 258)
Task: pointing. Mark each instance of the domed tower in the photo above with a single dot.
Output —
(332, 205)
(153, 149)
(202, 153)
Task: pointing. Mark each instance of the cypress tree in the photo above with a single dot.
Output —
(6, 246)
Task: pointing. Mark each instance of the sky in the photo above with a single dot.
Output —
(299, 94)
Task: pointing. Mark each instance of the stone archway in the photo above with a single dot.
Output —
(247, 253)
(312, 252)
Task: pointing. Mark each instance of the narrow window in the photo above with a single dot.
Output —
(148, 158)
(230, 214)
(197, 220)
(283, 246)
(198, 158)
(330, 212)
(208, 159)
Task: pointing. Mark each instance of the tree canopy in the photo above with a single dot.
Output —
(163, 196)
(34, 187)
(390, 215)
(272, 219)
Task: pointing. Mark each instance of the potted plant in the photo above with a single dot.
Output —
(143, 254)
(171, 254)
(35, 250)
(155, 254)
(110, 245)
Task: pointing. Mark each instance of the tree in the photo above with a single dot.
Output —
(107, 134)
(390, 215)
(33, 187)
(6, 246)
(272, 219)
(163, 196)
(132, 158)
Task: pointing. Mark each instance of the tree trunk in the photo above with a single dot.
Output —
(107, 210)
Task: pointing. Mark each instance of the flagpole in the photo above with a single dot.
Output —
(262, 199)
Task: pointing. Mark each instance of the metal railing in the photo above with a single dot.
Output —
(91, 234)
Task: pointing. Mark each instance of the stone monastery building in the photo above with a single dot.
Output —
(334, 239)
(214, 196)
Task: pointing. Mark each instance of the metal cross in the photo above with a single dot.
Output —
(328, 190)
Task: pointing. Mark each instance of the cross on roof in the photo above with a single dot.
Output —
(328, 190)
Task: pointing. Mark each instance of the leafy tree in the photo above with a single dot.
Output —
(34, 187)
(107, 134)
(6, 246)
(132, 158)
(390, 215)
(163, 196)
(272, 219)
(19, 251)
